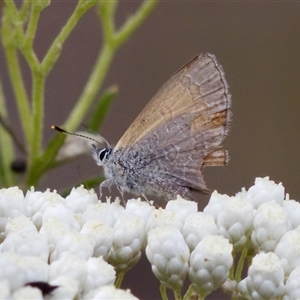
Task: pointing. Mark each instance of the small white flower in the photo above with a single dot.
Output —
(109, 292)
(105, 212)
(161, 217)
(292, 286)
(292, 208)
(128, 240)
(54, 231)
(100, 235)
(269, 225)
(79, 199)
(265, 190)
(182, 207)
(11, 205)
(73, 243)
(196, 227)
(28, 292)
(99, 273)
(140, 208)
(265, 278)
(168, 254)
(37, 202)
(19, 270)
(70, 266)
(5, 289)
(61, 213)
(235, 221)
(288, 250)
(215, 205)
(20, 224)
(67, 288)
(210, 263)
(26, 244)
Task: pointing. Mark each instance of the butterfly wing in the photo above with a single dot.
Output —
(181, 130)
(198, 87)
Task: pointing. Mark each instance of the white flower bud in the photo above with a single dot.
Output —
(99, 273)
(105, 212)
(168, 254)
(288, 250)
(11, 205)
(67, 288)
(61, 213)
(19, 270)
(109, 292)
(128, 240)
(37, 202)
(182, 207)
(196, 227)
(140, 208)
(26, 244)
(73, 243)
(292, 286)
(269, 225)
(70, 266)
(80, 198)
(5, 289)
(161, 217)
(210, 263)
(54, 231)
(100, 235)
(265, 278)
(265, 190)
(28, 292)
(292, 208)
(215, 205)
(235, 221)
(20, 224)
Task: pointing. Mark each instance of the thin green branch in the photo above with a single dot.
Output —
(91, 88)
(6, 150)
(107, 12)
(38, 89)
(19, 90)
(240, 265)
(134, 22)
(163, 292)
(54, 51)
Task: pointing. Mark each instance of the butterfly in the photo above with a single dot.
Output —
(177, 134)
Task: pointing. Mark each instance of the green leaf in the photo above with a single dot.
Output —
(101, 109)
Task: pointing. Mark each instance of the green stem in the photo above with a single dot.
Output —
(119, 280)
(134, 22)
(7, 178)
(177, 295)
(91, 89)
(240, 266)
(163, 292)
(19, 89)
(54, 51)
(188, 293)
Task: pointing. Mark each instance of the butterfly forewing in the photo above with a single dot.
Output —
(198, 88)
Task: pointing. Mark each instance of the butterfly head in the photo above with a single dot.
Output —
(101, 154)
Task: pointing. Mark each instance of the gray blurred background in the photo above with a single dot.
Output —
(256, 42)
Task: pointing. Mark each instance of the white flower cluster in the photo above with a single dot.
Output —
(75, 247)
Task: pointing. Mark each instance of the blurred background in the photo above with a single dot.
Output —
(258, 45)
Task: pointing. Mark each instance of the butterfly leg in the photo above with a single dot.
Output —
(105, 184)
(121, 191)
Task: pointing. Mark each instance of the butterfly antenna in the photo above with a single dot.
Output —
(54, 127)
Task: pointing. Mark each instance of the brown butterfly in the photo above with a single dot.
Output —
(176, 135)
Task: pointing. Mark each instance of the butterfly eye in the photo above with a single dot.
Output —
(104, 153)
